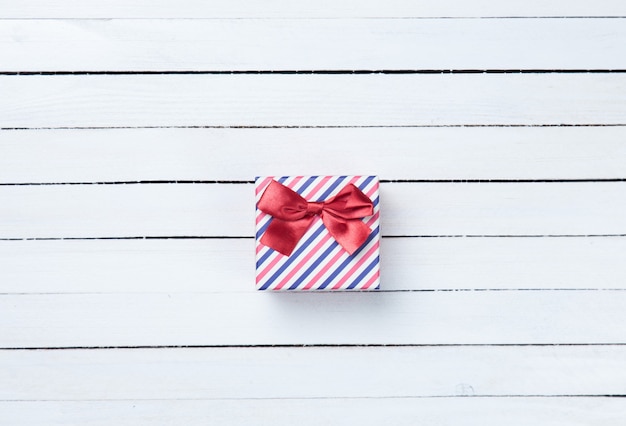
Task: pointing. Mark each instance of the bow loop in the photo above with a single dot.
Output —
(350, 203)
(292, 216)
(282, 203)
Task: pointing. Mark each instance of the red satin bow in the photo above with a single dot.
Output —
(292, 216)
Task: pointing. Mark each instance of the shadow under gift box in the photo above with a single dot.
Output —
(318, 261)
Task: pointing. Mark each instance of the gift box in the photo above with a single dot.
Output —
(317, 233)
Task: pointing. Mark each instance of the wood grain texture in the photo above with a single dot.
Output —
(316, 44)
(507, 320)
(225, 266)
(303, 373)
(321, 9)
(311, 100)
(335, 411)
(490, 153)
(269, 318)
(426, 209)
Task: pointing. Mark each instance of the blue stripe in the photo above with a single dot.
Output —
(262, 229)
(365, 183)
(348, 260)
(293, 257)
(308, 183)
(331, 188)
(263, 258)
(315, 264)
(363, 274)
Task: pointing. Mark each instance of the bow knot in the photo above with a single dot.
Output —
(314, 207)
(292, 216)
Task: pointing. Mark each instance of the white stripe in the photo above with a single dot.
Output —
(336, 279)
(360, 268)
(257, 184)
(311, 261)
(344, 256)
(341, 259)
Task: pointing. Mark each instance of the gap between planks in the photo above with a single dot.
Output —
(303, 346)
(321, 72)
(241, 182)
(373, 126)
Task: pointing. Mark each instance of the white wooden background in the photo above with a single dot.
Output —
(497, 128)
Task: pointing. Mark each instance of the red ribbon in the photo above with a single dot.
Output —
(292, 216)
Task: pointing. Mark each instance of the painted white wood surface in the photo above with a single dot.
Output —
(204, 266)
(311, 100)
(513, 411)
(556, 303)
(302, 373)
(317, 44)
(322, 9)
(474, 153)
(457, 317)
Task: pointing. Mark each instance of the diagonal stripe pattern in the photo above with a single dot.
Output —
(318, 262)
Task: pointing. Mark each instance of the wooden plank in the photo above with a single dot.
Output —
(301, 373)
(446, 153)
(320, 9)
(204, 266)
(398, 411)
(311, 100)
(317, 44)
(424, 209)
(491, 317)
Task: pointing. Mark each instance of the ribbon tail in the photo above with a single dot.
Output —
(351, 234)
(283, 236)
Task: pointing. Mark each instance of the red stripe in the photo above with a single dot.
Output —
(333, 261)
(263, 185)
(260, 276)
(371, 281)
(301, 263)
(356, 266)
(323, 182)
(322, 271)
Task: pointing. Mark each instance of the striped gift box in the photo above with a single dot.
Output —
(318, 262)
